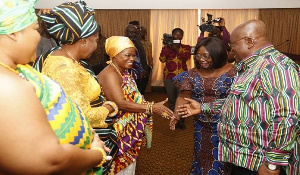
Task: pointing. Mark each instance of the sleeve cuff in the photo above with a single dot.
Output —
(278, 157)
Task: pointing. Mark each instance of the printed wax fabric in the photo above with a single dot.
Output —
(175, 62)
(16, 15)
(70, 22)
(65, 117)
(205, 159)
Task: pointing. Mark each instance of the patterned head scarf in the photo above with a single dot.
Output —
(116, 44)
(70, 22)
(16, 15)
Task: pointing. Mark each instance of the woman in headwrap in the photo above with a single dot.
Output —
(42, 130)
(74, 27)
(133, 123)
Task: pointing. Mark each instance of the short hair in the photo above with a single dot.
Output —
(177, 29)
(134, 23)
(216, 49)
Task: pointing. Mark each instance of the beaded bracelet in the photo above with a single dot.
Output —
(149, 108)
(114, 106)
(103, 155)
(205, 108)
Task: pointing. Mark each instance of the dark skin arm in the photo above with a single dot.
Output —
(264, 170)
(189, 109)
(24, 121)
(179, 101)
(113, 91)
(174, 47)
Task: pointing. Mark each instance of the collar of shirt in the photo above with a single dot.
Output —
(248, 62)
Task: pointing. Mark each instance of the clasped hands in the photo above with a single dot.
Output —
(183, 111)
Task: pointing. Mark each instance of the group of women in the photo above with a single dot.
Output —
(33, 105)
(48, 118)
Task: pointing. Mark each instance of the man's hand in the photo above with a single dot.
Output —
(189, 109)
(173, 47)
(264, 170)
(222, 23)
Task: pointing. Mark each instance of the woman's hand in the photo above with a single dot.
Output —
(110, 108)
(189, 109)
(160, 109)
(174, 120)
(98, 143)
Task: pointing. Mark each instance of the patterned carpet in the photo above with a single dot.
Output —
(171, 152)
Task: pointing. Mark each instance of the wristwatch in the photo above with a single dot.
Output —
(270, 166)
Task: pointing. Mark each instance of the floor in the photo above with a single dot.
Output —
(171, 152)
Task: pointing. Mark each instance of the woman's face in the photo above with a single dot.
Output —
(91, 44)
(28, 39)
(126, 58)
(203, 58)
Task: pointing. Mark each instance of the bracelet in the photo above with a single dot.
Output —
(149, 108)
(103, 155)
(114, 106)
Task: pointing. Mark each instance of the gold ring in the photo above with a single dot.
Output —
(165, 114)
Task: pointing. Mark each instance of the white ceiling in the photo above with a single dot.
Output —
(178, 4)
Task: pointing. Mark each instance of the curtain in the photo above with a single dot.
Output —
(233, 17)
(114, 22)
(282, 25)
(164, 21)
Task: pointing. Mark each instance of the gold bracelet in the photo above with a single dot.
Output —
(114, 106)
(103, 155)
(151, 107)
(148, 108)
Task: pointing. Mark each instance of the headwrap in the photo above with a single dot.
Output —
(16, 15)
(70, 22)
(116, 44)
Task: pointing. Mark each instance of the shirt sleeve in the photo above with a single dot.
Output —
(184, 53)
(163, 54)
(226, 36)
(200, 37)
(281, 86)
(212, 107)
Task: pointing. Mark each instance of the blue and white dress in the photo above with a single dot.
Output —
(205, 90)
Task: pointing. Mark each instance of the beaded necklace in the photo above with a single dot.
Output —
(12, 70)
(70, 56)
(116, 69)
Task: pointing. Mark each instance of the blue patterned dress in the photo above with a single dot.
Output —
(205, 90)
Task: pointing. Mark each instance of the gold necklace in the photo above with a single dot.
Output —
(116, 69)
(70, 55)
(13, 70)
(9, 68)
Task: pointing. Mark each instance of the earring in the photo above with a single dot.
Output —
(83, 44)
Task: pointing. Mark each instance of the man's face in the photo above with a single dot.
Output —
(131, 32)
(177, 35)
(239, 47)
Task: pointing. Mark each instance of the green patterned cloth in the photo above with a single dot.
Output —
(69, 22)
(16, 15)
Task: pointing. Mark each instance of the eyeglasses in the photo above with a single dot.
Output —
(233, 43)
(205, 57)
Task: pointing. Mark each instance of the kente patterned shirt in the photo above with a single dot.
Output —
(79, 84)
(175, 63)
(65, 117)
(260, 117)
